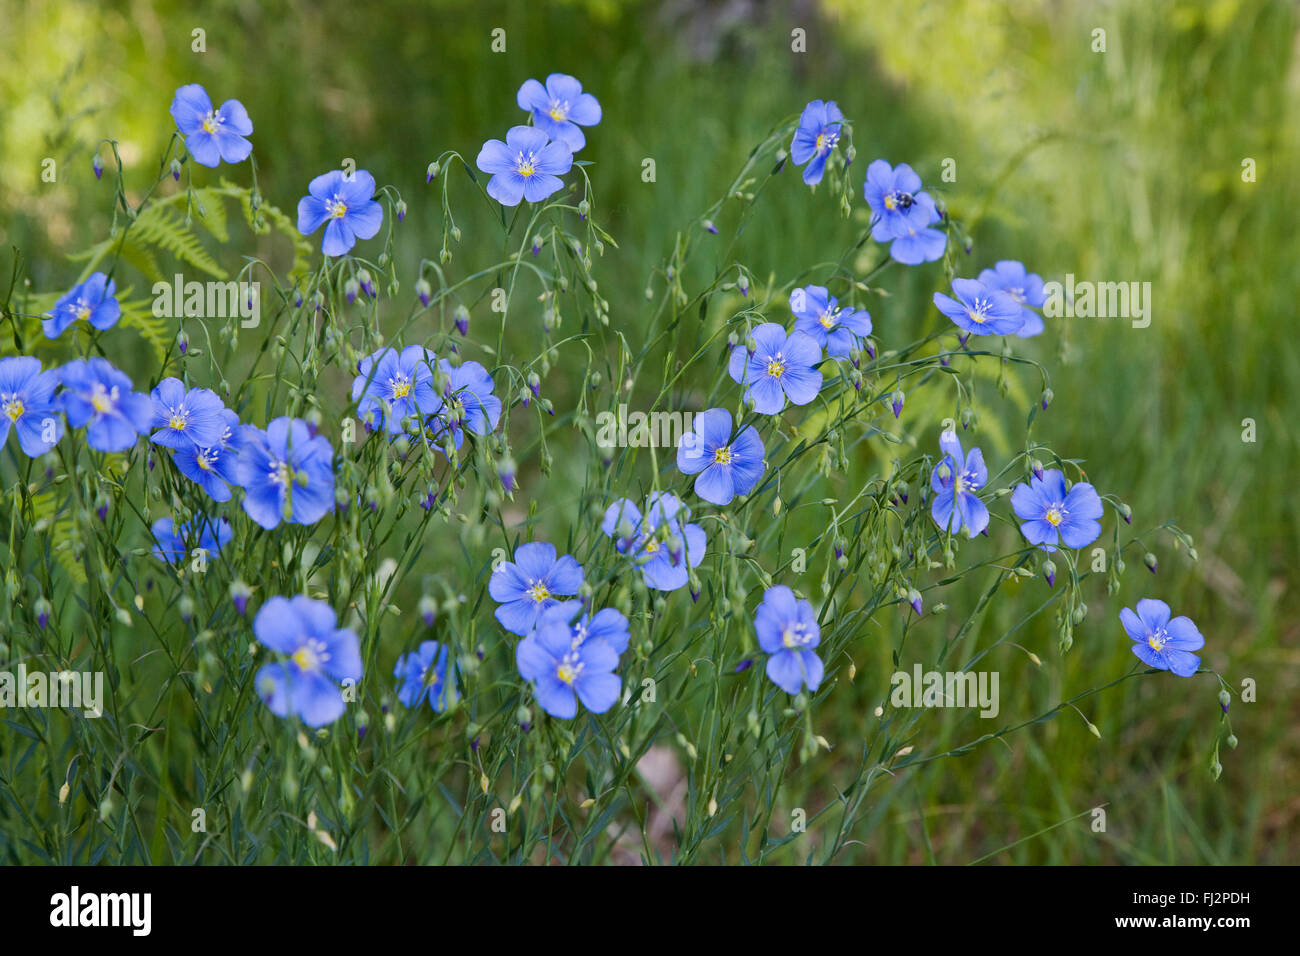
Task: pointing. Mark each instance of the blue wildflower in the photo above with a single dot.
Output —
(955, 481)
(211, 135)
(182, 417)
(175, 542)
(787, 631)
(1161, 643)
(980, 310)
(1010, 276)
(531, 583)
(427, 673)
(469, 398)
(212, 468)
(27, 403)
(661, 543)
(94, 300)
(608, 624)
(903, 213)
(525, 166)
(344, 202)
(781, 366)
(1050, 515)
(837, 330)
(98, 396)
(816, 137)
(320, 655)
(558, 109)
(564, 671)
(726, 467)
(286, 473)
(391, 386)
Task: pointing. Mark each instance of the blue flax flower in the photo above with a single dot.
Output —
(903, 214)
(726, 467)
(320, 655)
(344, 205)
(781, 366)
(94, 300)
(662, 543)
(532, 583)
(1050, 515)
(564, 671)
(28, 405)
(212, 468)
(286, 473)
(608, 624)
(184, 417)
(427, 673)
(955, 481)
(787, 631)
(980, 310)
(98, 396)
(1161, 643)
(1025, 287)
(525, 166)
(558, 109)
(818, 314)
(212, 135)
(174, 542)
(469, 399)
(392, 385)
(816, 137)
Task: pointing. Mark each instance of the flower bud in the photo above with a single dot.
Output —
(430, 173)
(1149, 560)
(97, 165)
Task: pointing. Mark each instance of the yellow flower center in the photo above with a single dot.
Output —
(102, 400)
(401, 388)
(891, 203)
(83, 311)
(539, 592)
(775, 367)
(566, 673)
(526, 167)
(1155, 643)
(178, 421)
(828, 319)
(722, 456)
(336, 208)
(559, 111)
(204, 462)
(651, 546)
(14, 408)
(1054, 516)
(310, 655)
(211, 123)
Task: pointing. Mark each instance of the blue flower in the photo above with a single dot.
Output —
(903, 214)
(981, 310)
(98, 396)
(211, 135)
(186, 418)
(1161, 643)
(661, 543)
(320, 655)
(94, 300)
(427, 673)
(345, 203)
(213, 468)
(174, 543)
(525, 166)
(787, 631)
(781, 366)
(391, 386)
(1010, 277)
(564, 671)
(531, 583)
(1050, 516)
(469, 399)
(726, 467)
(608, 625)
(816, 137)
(837, 330)
(286, 474)
(558, 109)
(27, 403)
(955, 480)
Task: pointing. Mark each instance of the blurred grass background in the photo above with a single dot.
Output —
(1122, 165)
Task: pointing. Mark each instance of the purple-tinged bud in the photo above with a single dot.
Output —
(525, 726)
(473, 745)
(176, 170)
(1048, 395)
(584, 208)
(401, 209)
(423, 290)
(870, 346)
(1126, 513)
(43, 610)
(297, 298)
(97, 165)
(535, 384)
(461, 317)
(350, 290)
(367, 284)
(239, 595)
(186, 607)
(102, 511)
(743, 284)
(430, 173)
(1225, 700)
(537, 246)
(506, 472)
(914, 596)
(744, 665)
(183, 342)
(962, 337)
(1149, 560)
(428, 610)
(708, 224)
(1049, 572)
(943, 360)
(896, 402)
(1036, 467)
